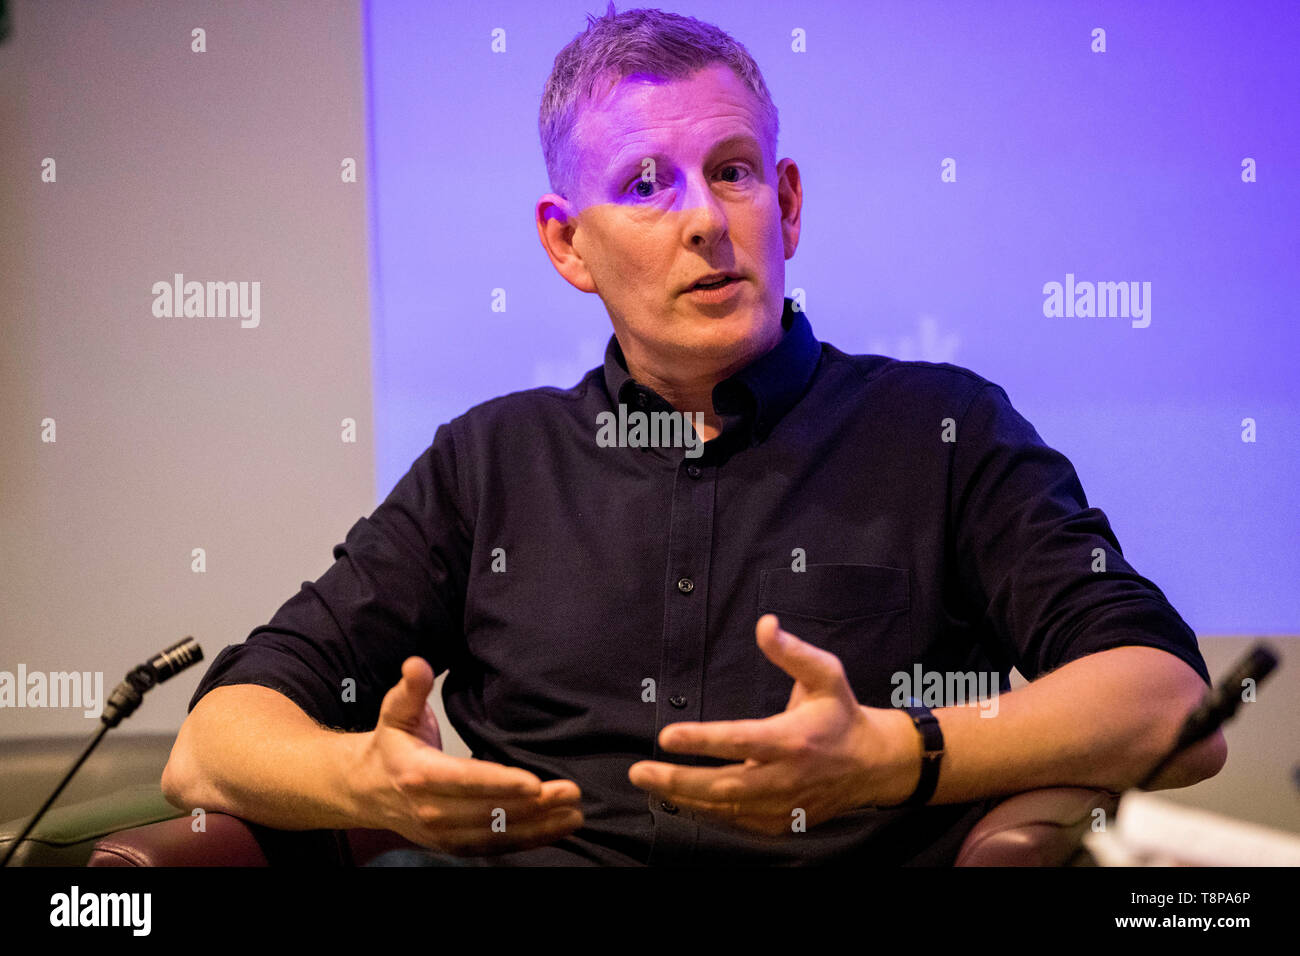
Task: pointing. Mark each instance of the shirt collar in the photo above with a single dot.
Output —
(755, 398)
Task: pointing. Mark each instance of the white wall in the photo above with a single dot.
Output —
(174, 433)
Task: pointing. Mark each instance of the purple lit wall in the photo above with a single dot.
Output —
(1172, 158)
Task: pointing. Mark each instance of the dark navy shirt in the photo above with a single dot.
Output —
(584, 597)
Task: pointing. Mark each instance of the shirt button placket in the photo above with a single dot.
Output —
(690, 542)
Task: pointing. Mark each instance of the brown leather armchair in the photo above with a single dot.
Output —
(133, 825)
(1036, 828)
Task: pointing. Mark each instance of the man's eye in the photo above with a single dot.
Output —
(650, 184)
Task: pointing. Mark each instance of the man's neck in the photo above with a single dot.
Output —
(693, 393)
(688, 396)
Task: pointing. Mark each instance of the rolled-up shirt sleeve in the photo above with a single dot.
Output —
(1046, 567)
(395, 590)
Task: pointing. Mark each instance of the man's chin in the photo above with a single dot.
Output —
(722, 336)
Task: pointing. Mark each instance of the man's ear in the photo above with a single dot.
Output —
(790, 193)
(556, 226)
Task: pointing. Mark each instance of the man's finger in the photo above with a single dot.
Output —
(456, 813)
(740, 787)
(728, 739)
(441, 775)
(816, 669)
(482, 841)
(556, 792)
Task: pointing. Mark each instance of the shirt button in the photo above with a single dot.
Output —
(686, 585)
(693, 470)
(641, 400)
(679, 701)
(667, 807)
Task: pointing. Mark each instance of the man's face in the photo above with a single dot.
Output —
(717, 203)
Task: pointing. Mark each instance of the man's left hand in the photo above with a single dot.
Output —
(825, 755)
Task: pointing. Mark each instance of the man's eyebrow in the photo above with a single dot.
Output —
(620, 165)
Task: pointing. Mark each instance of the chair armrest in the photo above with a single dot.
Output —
(1035, 828)
(225, 841)
(230, 841)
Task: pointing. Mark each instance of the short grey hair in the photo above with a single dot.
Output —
(618, 45)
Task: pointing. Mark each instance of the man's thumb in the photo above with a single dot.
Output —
(808, 664)
(405, 702)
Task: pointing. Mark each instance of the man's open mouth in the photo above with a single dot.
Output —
(716, 284)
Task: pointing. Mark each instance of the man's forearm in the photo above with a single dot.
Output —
(251, 752)
(1101, 721)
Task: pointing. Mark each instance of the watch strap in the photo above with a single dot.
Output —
(931, 755)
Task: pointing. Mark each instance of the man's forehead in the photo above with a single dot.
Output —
(632, 122)
(640, 103)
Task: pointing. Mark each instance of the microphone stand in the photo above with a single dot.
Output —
(126, 697)
(1217, 707)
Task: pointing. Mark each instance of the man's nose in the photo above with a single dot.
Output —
(703, 213)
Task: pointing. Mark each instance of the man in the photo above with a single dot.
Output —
(667, 653)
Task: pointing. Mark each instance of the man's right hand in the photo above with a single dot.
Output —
(408, 785)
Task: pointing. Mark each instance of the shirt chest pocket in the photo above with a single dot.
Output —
(858, 612)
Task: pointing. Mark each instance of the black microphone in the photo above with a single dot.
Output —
(126, 697)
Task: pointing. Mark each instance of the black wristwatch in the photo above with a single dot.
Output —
(931, 757)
